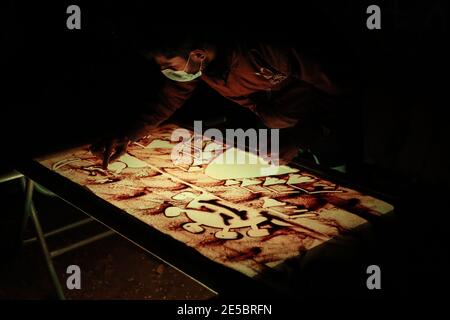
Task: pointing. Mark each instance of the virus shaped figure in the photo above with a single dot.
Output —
(209, 211)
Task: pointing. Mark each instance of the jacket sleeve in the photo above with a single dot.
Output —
(301, 89)
(303, 99)
(171, 97)
(292, 64)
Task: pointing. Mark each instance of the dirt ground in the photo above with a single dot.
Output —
(111, 268)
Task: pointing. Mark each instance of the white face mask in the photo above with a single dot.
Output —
(182, 76)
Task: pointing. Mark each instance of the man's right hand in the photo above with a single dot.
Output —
(109, 149)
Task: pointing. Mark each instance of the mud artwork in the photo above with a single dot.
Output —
(250, 223)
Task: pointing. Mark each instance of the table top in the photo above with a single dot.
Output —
(217, 221)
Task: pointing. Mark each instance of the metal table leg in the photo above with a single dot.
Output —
(30, 210)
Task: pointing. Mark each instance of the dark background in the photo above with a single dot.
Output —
(65, 86)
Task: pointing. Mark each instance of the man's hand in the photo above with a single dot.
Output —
(289, 146)
(109, 150)
(288, 153)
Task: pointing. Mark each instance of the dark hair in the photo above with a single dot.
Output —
(172, 40)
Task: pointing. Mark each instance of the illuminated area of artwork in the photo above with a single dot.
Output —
(231, 214)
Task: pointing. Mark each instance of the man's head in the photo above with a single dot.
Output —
(181, 55)
(179, 68)
(189, 62)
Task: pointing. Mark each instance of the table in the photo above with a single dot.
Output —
(230, 228)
